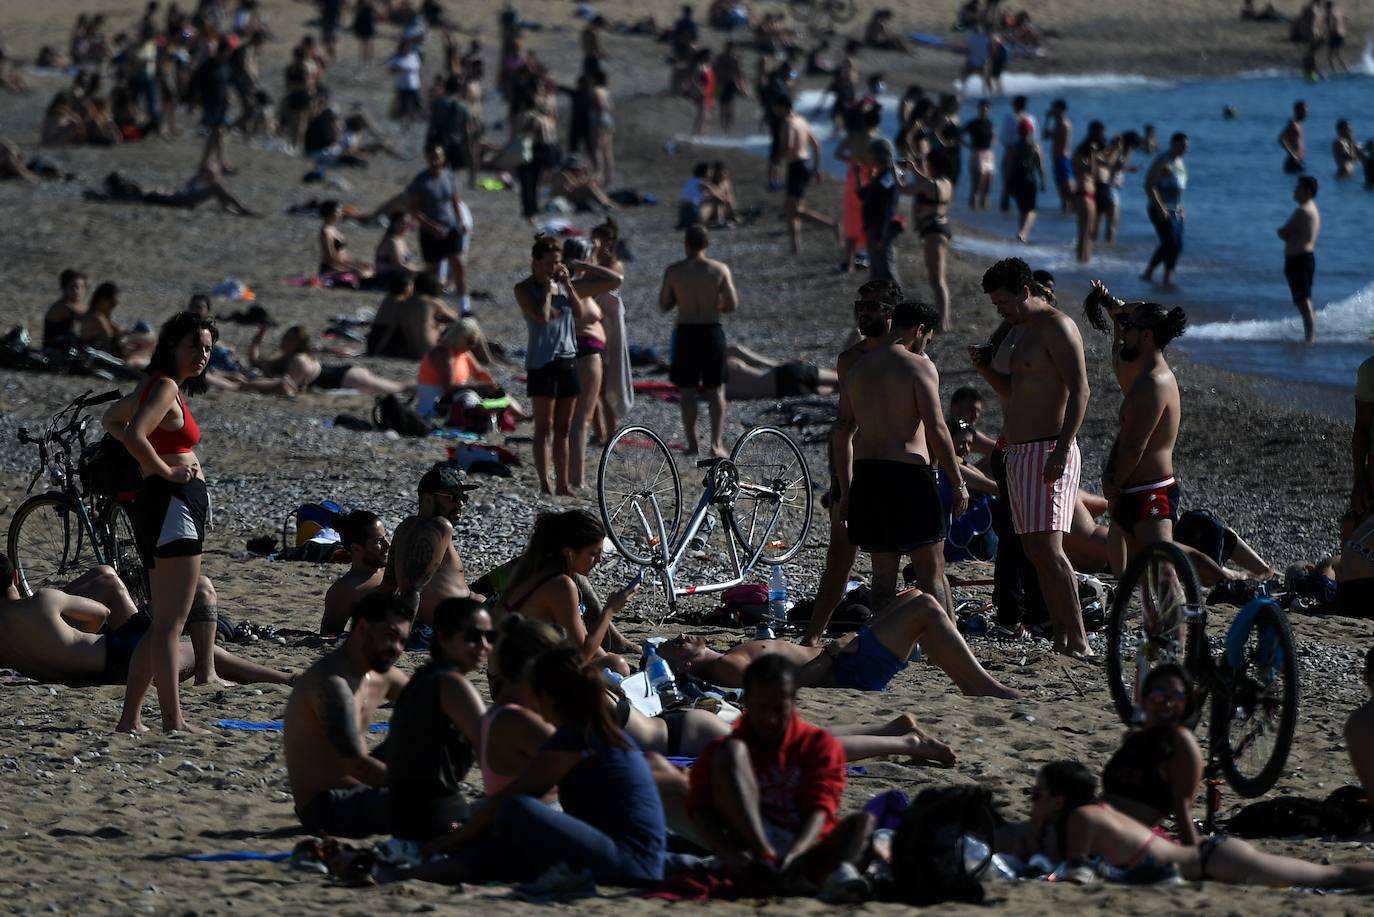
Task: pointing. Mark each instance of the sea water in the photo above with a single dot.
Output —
(1230, 277)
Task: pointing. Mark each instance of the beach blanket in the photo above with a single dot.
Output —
(234, 856)
(275, 725)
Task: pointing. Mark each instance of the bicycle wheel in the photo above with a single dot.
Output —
(1157, 598)
(842, 11)
(122, 553)
(637, 484)
(48, 544)
(1257, 709)
(773, 506)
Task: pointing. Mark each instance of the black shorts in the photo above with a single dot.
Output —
(358, 811)
(698, 356)
(555, 379)
(434, 249)
(1025, 194)
(421, 816)
(797, 378)
(331, 377)
(408, 101)
(169, 518)
(798, 177)
(119, 648)
(894, 507)
(298, 100)
(1202, 530)
(1149, 502)
(1299, 271)
(456, 155)
(1103, 195)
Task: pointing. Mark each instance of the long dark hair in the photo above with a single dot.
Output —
(174, 331)
(450, 616)
(522, 640)
(1076, 784)
(578, 694)
(552, 533)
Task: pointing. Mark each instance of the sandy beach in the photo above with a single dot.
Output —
(92, 822)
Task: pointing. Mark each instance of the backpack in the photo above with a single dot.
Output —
(391, 413)
(942, 847)
(1344, 813)
(109, 470)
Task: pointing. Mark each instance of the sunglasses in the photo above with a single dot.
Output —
(1159, 694)
(478, 635)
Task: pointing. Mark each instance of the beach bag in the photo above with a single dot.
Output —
(109, 470)
(942, 847)
(312, 519)
(391, 413)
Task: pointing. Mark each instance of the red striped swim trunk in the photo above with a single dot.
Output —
(1035, 505)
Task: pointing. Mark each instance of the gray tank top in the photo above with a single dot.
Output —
(553, 339)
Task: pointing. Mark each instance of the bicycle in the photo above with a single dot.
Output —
(58, 535)
(1253, 682)
(812, 418)
(762, 493)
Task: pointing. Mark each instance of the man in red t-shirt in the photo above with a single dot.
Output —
(766, 795)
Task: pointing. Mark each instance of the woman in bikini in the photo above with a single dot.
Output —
(934, 190)
(543, 588)
(98, 330)
(1085, 165)
(155, 424)
(333, 255)
(393, 256)
(299, 368)
(1068, 824)
(590, 334)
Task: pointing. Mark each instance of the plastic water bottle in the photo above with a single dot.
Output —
(661, 679)
(777, 595)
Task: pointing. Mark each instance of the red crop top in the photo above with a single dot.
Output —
(173, 442)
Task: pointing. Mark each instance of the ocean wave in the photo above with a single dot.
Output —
(1347, 321)
(1040, 83)
(1049, 257)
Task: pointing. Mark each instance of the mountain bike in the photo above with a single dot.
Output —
(762, 494)
(56, 536)
(1158, 617)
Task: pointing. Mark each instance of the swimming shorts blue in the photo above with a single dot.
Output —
(1063, 169)
(871, 668)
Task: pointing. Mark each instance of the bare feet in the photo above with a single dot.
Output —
(931, 751)
(185, 727)
(565, 491)
(132, 728)
(215, 680)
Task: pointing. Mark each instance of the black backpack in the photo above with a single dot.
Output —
(391, 413)
(1344, 813)
(928, 861)
(108, 469)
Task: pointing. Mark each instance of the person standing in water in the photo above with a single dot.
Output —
(1294, 141)
(1165, 183)
(1299, 235)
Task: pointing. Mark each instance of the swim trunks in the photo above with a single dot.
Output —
(170, 518)
(358, 811)
(555, 379)
(798, 177)
(1203, 531)
(1299, 270)
(1035, 505)
(434, 249)
(119, 648)
(698, 356)
(796, 378)
(331, 377)
(986, 162)
(894, 507)
(588, 346)
(871, 668)
(1063, 169)
(1146, 502)
(1293, 166)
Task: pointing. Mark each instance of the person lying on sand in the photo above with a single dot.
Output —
(423, 567)
(750, 375)
(339, 789)
(1359, 731)
(13, 164)
(298, 365)
(1068, 822)
(866, 661)
(69, 639)
(207, 183)
(363, 536)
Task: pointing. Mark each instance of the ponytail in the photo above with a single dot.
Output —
(578, 694)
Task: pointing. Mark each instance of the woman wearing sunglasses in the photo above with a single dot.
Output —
(436, 726)
(1157, 770)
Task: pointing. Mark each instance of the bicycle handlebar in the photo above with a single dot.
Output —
(100, 399)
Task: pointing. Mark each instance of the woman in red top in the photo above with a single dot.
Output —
(155, 424)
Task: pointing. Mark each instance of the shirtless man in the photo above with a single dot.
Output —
(1046, 394)
(60, 320)
(364, 538)
(864, 661)
(750, 375)
(60, 636)
(702, 290)
(1299, 235)
(873, 318)
(1059, 132)
(1138, 477)
(1335, 37)
(892, 506)
(340, 789)
(802, 153)
(1293, 140)
(423, 567)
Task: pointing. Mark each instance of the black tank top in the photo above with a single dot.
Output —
(427, 755)
(1138, 770)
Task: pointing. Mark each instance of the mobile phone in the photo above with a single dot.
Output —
(634, 583)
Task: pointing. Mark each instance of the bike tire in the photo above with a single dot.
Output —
(48, 544)
(637, 471)
(772, 474)
(122, 553)
(1246, 705)
(1127, 633)
(842, 11)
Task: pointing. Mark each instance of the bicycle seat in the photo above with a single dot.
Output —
(711, 462)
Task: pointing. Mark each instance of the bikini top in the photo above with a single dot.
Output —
(512, 607)
(173, 442)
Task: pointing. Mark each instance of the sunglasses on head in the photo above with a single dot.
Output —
(477, 635)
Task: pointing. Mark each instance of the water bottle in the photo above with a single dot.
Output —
(661, 679)
(703, 535)
(777, 595)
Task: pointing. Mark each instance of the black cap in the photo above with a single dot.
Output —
(444, 476)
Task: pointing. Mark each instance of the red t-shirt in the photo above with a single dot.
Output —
(803, 773)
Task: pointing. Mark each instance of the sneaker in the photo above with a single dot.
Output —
(846, 885)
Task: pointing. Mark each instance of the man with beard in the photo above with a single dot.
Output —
(873, 316)
(1138, 478)
(364, 538)
(340, 789)
(423, 567)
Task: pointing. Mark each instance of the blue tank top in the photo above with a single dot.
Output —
(553, 339)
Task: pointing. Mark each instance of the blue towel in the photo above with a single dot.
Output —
(854, 769)
(237, 855)
(276, 725)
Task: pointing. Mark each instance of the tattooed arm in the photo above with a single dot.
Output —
(338, 712)
(423, 554)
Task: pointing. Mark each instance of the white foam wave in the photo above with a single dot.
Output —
(1043, 256)
(1040, 83)
(1348, 321)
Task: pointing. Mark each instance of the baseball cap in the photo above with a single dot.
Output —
(444, 476)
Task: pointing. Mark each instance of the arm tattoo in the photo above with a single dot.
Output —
(338, 713)
(422, 558)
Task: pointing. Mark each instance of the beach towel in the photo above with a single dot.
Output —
(234, 856)
(617, 382)
(275, 725)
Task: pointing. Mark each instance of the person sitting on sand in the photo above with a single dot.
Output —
(393, 256)
(333, 255)
(98, 330)
(574, 181)
(543, 587)
(450, 367)
(436, 727)
(67, 638)
(1069, 823)
(866, 661)
(363, 536)
(1359, 732)
(60, 319)
(298, 365)
(410, 319)
(1158, 768)
(339, 789)
(879, 33)
(750, 375)
(423, 567)
(766, 796)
